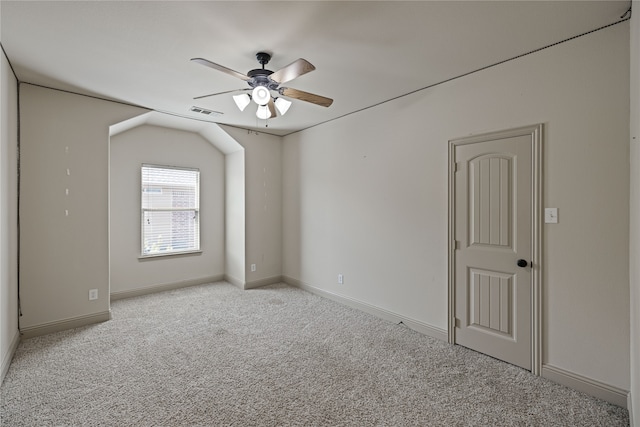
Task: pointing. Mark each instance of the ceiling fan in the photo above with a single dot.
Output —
(263, 82)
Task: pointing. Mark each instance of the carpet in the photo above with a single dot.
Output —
(215, 355)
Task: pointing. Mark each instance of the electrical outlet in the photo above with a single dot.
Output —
(340, 279)
(93, 294)
(253, 267)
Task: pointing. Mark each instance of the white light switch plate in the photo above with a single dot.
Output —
(551, 215)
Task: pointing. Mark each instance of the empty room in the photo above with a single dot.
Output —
(319, 213)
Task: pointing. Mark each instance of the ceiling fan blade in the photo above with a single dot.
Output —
(292, 71)
(272, 108)
(220, 93)
(218, 67)
(305, 96)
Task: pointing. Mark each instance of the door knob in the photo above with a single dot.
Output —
(522, 263)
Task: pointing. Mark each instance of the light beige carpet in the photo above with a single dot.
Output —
(214, 355)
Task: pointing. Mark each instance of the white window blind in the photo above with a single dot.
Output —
(170, 210)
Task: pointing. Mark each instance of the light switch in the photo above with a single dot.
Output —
(551, 215)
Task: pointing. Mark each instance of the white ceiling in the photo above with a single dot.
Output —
(365, 52)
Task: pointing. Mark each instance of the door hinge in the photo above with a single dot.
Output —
(457, 167)
(456, 322)
(456, 244)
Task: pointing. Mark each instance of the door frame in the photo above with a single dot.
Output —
(535, 132)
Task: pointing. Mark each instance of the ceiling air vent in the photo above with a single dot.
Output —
(206, 112)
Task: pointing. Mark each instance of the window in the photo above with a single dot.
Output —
(170, 210)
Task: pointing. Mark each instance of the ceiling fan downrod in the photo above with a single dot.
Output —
(260, 76)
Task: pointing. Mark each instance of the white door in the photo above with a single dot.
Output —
(493, 185)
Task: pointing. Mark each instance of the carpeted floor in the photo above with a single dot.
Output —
(214, 355)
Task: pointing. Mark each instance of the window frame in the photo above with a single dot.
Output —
(143, 210)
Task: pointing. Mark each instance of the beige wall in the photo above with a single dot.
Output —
(634, 255)
(263, 204)
(162, 146)
(235, 236)
(366, 196)
(9, 336)
(62, 257)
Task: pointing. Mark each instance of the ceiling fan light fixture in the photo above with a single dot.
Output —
(263, 112)
(282, 105)
(242, 101)
(261, 95)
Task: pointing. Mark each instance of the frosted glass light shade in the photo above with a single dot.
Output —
(263, 112)
(242, 101)
(261, 95)
(282, 105)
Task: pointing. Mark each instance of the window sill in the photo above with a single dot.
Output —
(171, 255)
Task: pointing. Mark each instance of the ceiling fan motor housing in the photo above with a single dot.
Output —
(260, 76)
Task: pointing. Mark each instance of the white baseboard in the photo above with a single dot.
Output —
(592, 387)
(381, 313)
(254, 284)
(6, 360)
(62, 325)
(164, 287)
(234, 281)
(263, 282)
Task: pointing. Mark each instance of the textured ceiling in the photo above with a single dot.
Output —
(365, 52)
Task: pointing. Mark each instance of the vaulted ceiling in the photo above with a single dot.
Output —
(365, 53)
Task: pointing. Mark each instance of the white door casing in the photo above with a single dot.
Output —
(494, 205)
